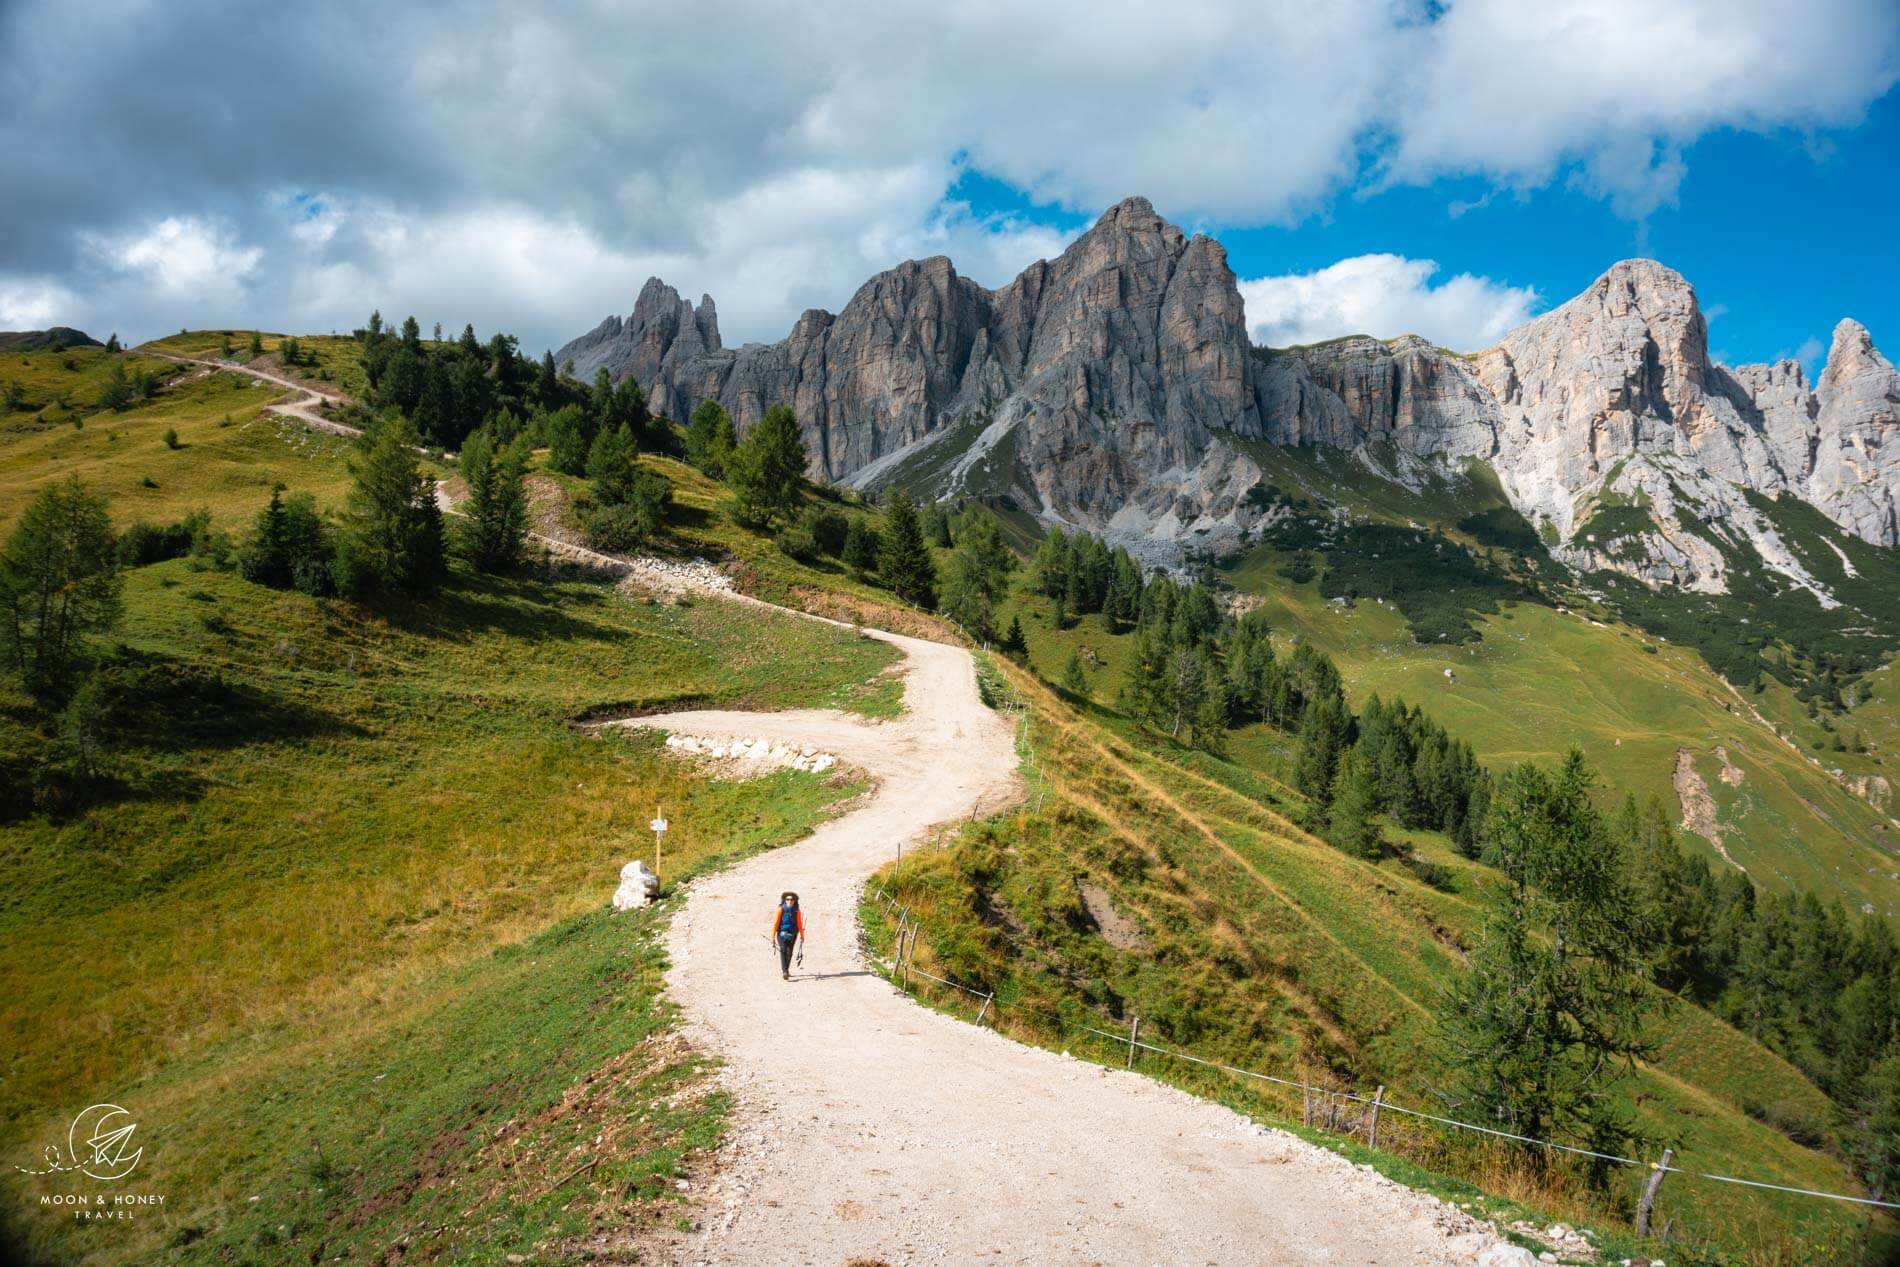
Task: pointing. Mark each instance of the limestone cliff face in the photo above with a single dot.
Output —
(1121, 361)
(1855, 473)
(1612, 399)
(1114, 387)
(1406, 391)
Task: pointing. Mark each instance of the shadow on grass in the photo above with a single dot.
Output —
(518, 606)
(171, 706)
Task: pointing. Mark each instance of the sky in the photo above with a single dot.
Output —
(1373, 166)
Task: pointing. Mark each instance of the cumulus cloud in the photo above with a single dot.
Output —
(779, 155)
(1617, 88)
(1383, 296)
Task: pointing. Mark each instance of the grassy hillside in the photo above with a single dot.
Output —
(1540, 680)
(1145, 880)
(331, 924)
(327, 362)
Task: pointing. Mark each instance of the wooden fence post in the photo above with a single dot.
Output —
(1372, 1132)
(1648, 1206)
(984, 1010)
(1133, 1034)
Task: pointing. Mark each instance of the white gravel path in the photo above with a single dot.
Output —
(870, 1128)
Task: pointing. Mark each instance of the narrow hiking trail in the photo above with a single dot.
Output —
(869, 1129)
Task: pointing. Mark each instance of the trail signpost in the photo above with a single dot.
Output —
(659, 836)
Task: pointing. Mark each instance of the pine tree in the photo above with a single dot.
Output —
(1325, 727)
(265, 558)
(112, 343)
(1552, 1010)
(935, 525)
(611, 464)
(495, 514)
(1014, 644)
(709, 438)
(904, 561)
(394, 527)
(257, 344)
(978, 576)
(59, 581)
(1074, 680)
(767, 470)
(567, 440)
(117, 393)
(860, 549)
(1350, 822)
(1207, 725)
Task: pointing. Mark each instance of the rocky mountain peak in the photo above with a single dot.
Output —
(1851, 353)
(1113, 387)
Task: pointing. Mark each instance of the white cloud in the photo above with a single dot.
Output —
(27, 304)
(1618, 88)
(184, 259)
(777, 157)
(1383, 296)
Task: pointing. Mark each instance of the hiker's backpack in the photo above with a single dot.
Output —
(787, 921)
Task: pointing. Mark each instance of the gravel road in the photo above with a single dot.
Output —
(871, 1130)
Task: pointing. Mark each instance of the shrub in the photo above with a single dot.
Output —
(827, 529)
(171, 438)
(143, 544)
(629, 524)
(798, 542)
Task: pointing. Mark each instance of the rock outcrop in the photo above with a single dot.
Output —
(1114, 388)
(1612, 400)
(1106, 377)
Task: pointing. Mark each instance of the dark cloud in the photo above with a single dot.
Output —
(187, 163)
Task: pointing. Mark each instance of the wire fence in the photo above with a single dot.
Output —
(901, 968)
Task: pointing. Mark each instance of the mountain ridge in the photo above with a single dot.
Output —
(1115, 388)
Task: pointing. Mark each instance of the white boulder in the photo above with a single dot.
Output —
(638, 886)
(1504, 1255)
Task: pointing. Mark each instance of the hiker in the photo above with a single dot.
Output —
(788, 926)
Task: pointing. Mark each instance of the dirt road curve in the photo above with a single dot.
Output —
(868, 1128)
(303, 408)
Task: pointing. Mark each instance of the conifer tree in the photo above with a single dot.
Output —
(904, 562)
(860, 548)
(59, 581)
(1350, 822)
(494, 525)
(1014, 644)
(1074, 680)
(394, 527)
(1552, 1011)
(767, 470)
(709, 438)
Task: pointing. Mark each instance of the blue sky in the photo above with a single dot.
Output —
(1441, 167)
(1782, 234)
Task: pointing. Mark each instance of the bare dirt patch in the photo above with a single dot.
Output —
(1698, 807)
(1116, 927)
